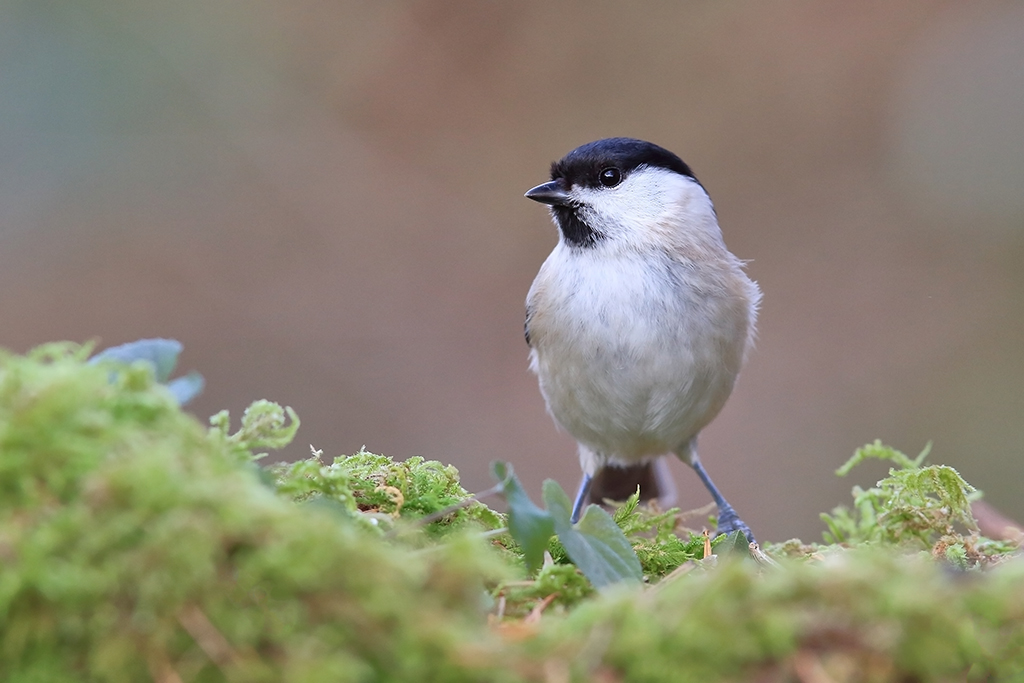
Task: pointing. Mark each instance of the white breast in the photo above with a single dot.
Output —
(635, 353)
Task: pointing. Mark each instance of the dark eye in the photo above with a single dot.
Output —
(610, 177)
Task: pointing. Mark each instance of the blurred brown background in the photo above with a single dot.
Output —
(323, 201)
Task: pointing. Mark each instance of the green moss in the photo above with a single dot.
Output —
(137, 544)
(857, 615)
(916, 507)
(563, 584)
(654, 537)
(384, 493)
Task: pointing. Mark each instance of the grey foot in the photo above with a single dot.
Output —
(729, 521)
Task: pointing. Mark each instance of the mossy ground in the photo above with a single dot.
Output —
(137, 544)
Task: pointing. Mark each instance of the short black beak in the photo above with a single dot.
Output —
(552, 193)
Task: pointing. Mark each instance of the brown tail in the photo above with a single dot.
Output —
(619, 483)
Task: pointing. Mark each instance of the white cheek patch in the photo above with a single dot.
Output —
(648, 197)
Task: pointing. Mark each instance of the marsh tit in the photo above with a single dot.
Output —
(640, 319)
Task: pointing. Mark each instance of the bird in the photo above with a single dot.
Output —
(640, 319)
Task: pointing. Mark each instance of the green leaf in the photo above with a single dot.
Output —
(530, 526)
(596, 544)
(733, 545)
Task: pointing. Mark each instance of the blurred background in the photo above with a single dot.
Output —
(323, 201)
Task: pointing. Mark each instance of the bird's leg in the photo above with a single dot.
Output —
(581, 497)
(728, 520)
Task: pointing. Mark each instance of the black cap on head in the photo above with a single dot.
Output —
(583, 165)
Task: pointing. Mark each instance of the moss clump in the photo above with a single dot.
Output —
(376, 490)
(917, 507)
(136, 544)
(862, 615)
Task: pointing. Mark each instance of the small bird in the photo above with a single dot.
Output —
(640, 319)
